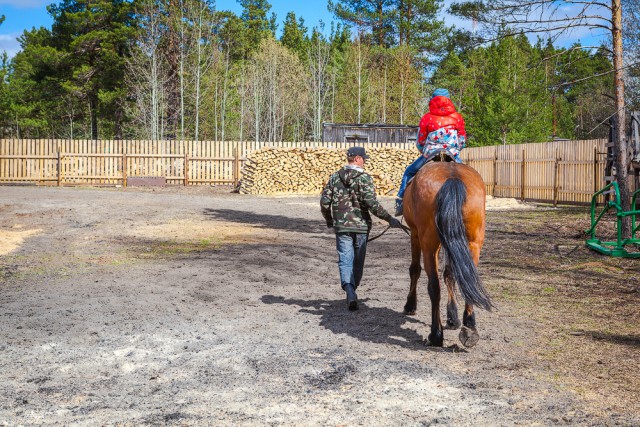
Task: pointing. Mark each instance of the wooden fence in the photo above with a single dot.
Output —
(559, 172)
(102, 162)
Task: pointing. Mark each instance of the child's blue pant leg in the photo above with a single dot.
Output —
(409, 173)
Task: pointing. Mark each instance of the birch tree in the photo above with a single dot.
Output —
(203, 51)
(147, 74)
(320, 81)
(276, 94)
(407, 82)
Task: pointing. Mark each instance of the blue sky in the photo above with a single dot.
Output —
(25, 14)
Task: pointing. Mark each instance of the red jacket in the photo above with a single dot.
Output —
(442, 114)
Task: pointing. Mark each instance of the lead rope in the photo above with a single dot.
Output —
(406, 229)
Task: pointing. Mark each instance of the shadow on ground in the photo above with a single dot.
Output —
(277, 222)
(630, 340)
(378, 325)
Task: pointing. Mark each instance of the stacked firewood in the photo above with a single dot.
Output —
(306, 170)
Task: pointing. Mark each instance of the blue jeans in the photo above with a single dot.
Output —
(409, 173)
(352, 248)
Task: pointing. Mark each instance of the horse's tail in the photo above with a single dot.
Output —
(453, 236)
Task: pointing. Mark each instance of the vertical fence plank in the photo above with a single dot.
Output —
(186, 169)
(556, 170)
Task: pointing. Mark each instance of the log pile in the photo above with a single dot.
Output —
(306, 170)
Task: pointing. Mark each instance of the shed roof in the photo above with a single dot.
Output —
(369, 125)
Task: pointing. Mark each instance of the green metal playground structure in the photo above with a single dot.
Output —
(617, 248)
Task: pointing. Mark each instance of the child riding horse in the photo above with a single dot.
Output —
(441, 130)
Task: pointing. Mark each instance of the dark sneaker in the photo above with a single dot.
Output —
(398, 207)
(352, 298)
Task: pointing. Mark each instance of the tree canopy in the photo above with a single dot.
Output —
(164, 69)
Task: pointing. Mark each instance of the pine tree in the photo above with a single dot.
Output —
(39, 97)
(391, 23)
(294, 36)
(257, 25)
(375, 16)
(95, 35)
(418, 25)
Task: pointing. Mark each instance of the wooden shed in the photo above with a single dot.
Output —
(372, 132)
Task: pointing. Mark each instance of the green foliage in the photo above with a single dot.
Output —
(376, 16)
(145, 67)
(257, 25)
(73, 72)
(294, 36)
(511, 91)
(390, 23)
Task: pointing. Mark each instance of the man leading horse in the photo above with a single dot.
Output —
(346, 202)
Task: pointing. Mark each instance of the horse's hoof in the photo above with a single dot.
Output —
(452, 326)
(469, 336)
(434, 341)
(409, 310)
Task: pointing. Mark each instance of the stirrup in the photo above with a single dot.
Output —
(398, 207)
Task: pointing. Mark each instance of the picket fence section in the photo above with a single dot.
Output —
(559, 171)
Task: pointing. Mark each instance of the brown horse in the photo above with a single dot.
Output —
(445, 205)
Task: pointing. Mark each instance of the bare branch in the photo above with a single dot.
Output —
(595, 75)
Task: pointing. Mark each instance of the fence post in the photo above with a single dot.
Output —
(555, 179)
(495, 170)
(522, 177)
(186, 169)
(236, 166)
(59, 168)
(124, 170)
(595, 169)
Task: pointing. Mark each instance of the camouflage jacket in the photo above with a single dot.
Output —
(348, 198)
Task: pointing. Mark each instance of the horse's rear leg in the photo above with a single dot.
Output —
(436, 337)
(469, 333)
(414, 272)
(453, 320)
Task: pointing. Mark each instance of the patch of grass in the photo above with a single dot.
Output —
(169, 248)
(549, 290)
(121, 261)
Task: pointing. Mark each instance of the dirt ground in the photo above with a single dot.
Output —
(200, 307)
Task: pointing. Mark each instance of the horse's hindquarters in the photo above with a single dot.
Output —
(445, 207)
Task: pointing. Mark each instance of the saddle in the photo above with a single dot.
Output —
(441, 155)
